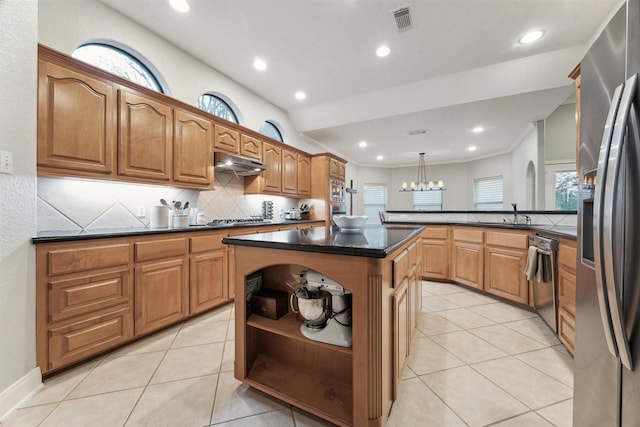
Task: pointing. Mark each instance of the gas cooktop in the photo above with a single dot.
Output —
(236, 221)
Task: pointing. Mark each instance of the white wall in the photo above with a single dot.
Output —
(560, 134)
(18, 77)
(522, 154)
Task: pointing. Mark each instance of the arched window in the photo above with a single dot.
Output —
(271, 130)
(217, 106)
(119, 62)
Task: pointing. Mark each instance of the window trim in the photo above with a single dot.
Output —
(230, 104)
(277, 128)
(376, 217)
(488, 178)
(135, 55)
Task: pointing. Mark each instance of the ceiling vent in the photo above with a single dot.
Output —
(404, 18)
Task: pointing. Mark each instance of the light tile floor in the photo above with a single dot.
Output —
(474, 361)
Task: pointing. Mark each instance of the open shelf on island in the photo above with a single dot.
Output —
(322, 396)
(288, 326)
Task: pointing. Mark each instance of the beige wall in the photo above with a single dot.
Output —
(560, 134)
(18, 76)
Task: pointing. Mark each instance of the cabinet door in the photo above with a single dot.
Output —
(161, 294)
(467, 264)
(415, 293)
(76, 121)
(231, 283)
(304, 176)
(504, 274)
(208, 280)
(144, 143)
(337, 169)
(567, 329)
(271, 155)
(435, 259)
(289, 172)
(250, 147)
(400, 333)
(192, 153)
(226, 139)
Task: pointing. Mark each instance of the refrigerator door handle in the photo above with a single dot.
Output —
(609, 214)
(598, 207)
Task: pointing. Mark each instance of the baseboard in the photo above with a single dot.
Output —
(18, 392)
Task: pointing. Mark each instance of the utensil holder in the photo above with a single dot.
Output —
(179, 220)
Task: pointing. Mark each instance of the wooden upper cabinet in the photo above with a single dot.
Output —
(226, 139)
(289, 172)
(250, 147)
(145, 136)
(76, 121)
(271, 155)
(192, 154)
(337, 169)
(304, 175)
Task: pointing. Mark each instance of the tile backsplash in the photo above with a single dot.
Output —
(66, 204)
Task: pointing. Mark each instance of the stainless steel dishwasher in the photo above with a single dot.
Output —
(545, 296)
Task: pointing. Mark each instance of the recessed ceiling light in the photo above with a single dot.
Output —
(259, 64)
(379, 157)
(362, 144)
(472, 148)
(477, 129)
(300, 95)
(383, 51)
(531, 36)
(180, 5)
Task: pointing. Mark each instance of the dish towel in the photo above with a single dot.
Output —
(532, 263)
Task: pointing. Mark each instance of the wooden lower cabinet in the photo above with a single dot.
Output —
(435, 259)
(161, 292)
(208, 280)
(567, 260)
(504, 275)
(467, 259)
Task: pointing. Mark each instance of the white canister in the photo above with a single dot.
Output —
(179, 220)
(159, 217)
(202, 220)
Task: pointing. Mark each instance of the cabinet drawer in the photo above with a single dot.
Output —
(467, 235)
(89, 293)
(85, 338)
(400, 267)
(567, 256)
(507, 240)
(158, 249)
(436, 233)
(206, 242)
(63, 261)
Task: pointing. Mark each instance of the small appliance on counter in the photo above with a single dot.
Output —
(326, 307)
(267, 209)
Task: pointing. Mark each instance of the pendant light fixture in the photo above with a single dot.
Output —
(421, 183)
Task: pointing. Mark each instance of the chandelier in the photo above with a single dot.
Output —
(421, 183)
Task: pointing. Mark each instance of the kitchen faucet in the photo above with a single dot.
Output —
(515, 213)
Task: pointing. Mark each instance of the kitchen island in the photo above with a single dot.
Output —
(380, 266)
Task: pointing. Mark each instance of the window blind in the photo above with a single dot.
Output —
(487, 194)
(427, 200)
(374, 200)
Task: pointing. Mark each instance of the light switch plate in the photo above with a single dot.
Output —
(6, 162)
(141, 212)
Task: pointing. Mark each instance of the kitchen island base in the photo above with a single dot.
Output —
(346, 386)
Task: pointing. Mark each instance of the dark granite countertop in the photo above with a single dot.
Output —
(554, 230)
(68, 236)
(372, 241)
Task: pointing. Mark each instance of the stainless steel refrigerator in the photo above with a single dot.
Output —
(607, 341)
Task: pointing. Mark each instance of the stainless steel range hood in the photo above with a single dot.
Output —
(241, 166)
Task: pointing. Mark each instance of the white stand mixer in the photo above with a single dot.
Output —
(333, 324)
